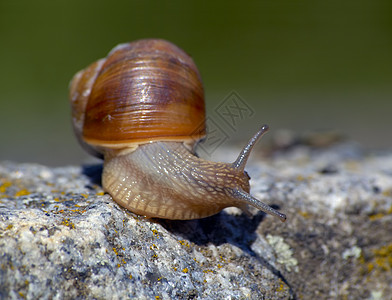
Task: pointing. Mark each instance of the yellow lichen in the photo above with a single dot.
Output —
(184, 243)
(380, 261)
(4, 186)
(369, 267)
(155, 232)
(376, 216)
(68, 223)
(383, 257)
(380, 215)
(22, 192)
(185, 270)
(304, 214)
(78, 211)
(282, 286)
(222, 259)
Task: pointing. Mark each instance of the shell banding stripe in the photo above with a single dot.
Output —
(145, 96)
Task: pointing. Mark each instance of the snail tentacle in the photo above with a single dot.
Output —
(242, 158)
(248, 199)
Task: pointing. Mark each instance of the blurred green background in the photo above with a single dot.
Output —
(301, 65)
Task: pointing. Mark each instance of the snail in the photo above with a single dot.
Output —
(142, 110)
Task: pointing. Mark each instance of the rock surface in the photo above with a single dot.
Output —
(61, 237)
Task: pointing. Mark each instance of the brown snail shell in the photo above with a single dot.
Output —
(142, 109)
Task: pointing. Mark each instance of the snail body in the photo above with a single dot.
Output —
(142, 110)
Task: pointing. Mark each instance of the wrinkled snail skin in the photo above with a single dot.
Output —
(167, 181)
(142, 109)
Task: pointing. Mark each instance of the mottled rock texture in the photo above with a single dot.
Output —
(61, 237)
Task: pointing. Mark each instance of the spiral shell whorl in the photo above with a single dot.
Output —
(148, 90)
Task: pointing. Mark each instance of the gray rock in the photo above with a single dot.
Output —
(61, 237)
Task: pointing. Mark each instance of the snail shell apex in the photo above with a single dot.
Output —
(148, 90)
